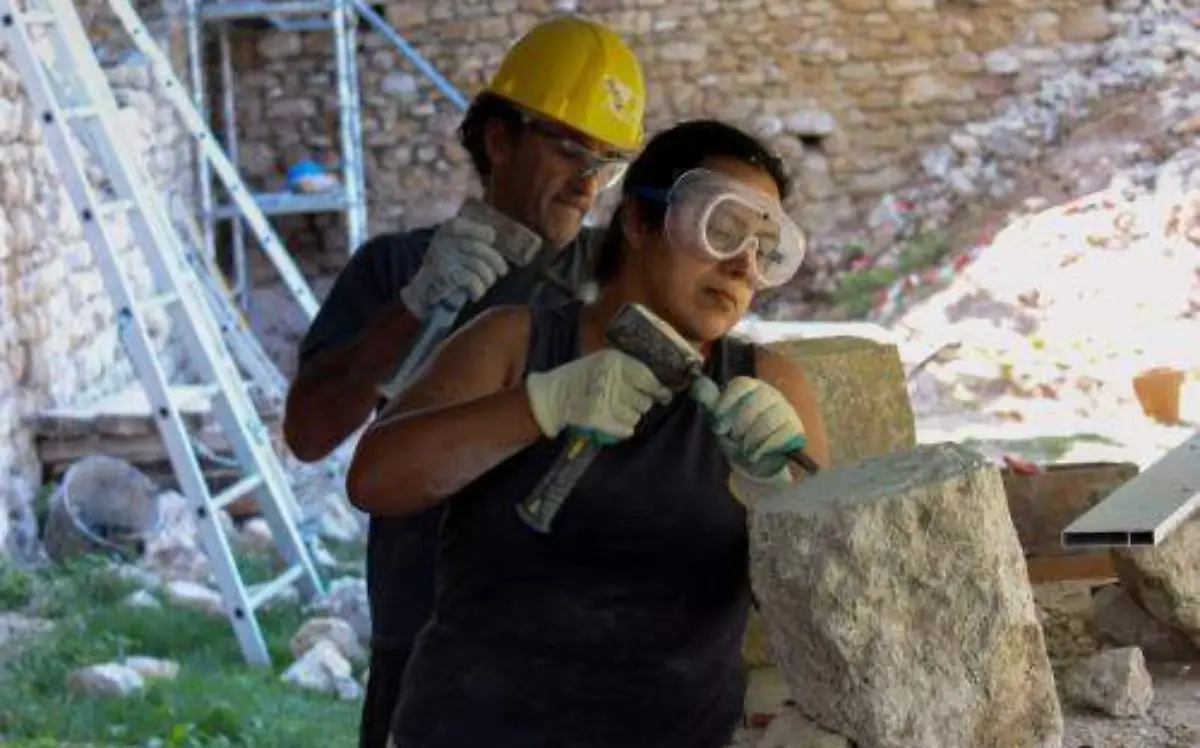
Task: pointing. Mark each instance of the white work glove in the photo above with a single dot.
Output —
(757, 429)
(603, 395)
(461, 258)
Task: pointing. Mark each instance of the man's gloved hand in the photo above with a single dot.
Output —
(461, 257)
(757, 428)
(604, 394)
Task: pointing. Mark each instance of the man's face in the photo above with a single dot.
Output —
(548, 177)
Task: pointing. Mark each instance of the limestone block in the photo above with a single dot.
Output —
(864, 399)
(1165, 579)
(1115, 682)
(897, 599)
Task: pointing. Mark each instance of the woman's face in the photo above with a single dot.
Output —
(702, 298)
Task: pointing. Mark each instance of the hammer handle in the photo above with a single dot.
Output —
(705, 392)
(540, 507)
(437, 325)
(805, 462)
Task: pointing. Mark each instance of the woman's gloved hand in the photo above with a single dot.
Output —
(757, 428)
(460, 258)
(604, 394)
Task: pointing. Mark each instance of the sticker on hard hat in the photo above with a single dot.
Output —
(621, 99)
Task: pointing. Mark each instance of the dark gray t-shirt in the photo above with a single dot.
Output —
(401, 552)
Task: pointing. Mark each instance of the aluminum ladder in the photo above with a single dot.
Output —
(244, 204)
(265, 376)
(78, 114)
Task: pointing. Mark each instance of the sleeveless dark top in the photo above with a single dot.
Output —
(623, 627)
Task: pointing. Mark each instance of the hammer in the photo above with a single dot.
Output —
(518, 245)
(638, 332)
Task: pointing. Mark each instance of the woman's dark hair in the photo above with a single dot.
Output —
(664, 159)
(470, 132)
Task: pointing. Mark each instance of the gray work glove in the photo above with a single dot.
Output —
(461, 260)
(602, 395)
(757, 429)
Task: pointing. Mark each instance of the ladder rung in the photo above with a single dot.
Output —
(214, 11)
(264, 592)
(289, 203)
(237, 491)
(41, 17)
(79, 112)
(116, 207)
(303, 24)
(210, 391)
(158, 301)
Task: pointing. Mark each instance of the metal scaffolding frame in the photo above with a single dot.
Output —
(337, 17)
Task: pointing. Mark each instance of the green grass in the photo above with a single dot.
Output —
(1049, 449)
(217, 700)
(856, 293)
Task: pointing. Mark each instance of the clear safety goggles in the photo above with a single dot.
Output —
(720, 218)
(607, 169)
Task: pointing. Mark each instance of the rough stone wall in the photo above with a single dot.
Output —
(850, 91)
(58, 344)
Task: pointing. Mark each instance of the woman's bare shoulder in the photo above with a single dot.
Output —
(490, 348)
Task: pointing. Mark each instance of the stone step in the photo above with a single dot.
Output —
(122, 425)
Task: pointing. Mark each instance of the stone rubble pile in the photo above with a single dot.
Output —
(328, 648)
(175, 569)
(1052, 318)
(1057, 306)
(1156, 45)
(1149, 48)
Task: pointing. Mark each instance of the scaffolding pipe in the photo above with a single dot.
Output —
(383, 27)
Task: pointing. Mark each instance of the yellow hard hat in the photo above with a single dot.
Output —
(580, 73)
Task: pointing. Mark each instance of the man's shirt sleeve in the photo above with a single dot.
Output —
(369, 282)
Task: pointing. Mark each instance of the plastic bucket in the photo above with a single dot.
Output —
(103, 506)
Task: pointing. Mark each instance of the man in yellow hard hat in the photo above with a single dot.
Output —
(556, 125)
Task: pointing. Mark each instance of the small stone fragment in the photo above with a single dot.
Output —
(105, 681)
(142, 599)
(322, 668)
(334, 630)
(195, 597)
(152, 668)
(1115, 682)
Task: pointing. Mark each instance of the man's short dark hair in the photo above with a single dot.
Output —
(485, 107)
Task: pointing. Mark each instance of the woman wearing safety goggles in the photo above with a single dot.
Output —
(622, 624)
(716, 217)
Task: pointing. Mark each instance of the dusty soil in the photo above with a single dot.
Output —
(1174, 717)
